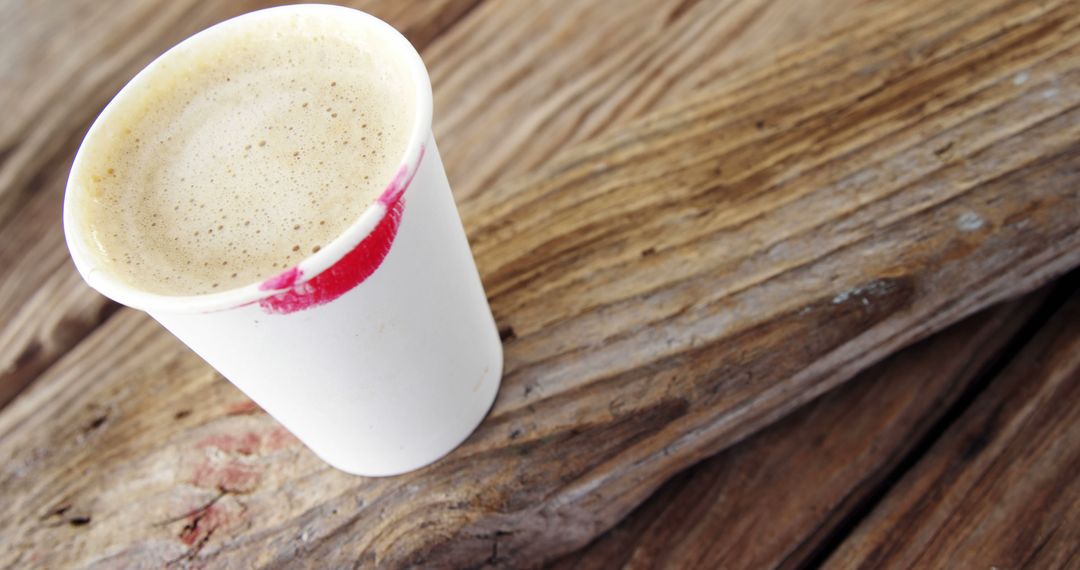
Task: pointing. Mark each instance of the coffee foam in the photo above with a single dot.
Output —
(236, 156)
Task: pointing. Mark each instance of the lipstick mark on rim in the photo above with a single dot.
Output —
(355, 266)
(283, 280)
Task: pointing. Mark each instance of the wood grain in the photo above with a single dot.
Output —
(515, 86)
(775, 499)
(579, 69)
(1000, 489)
(664, 292)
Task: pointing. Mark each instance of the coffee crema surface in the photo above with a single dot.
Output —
(235, 156)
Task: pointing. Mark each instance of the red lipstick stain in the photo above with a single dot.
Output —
(201, 524)
(247, 407)
(230, 476)
(280, 438)
(246, 444)
(352, 269)
(282, 280)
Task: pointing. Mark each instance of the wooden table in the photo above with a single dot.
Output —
(708, 231)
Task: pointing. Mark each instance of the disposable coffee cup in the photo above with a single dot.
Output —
(378, 351)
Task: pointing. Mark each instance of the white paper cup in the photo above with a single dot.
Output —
(379, 351)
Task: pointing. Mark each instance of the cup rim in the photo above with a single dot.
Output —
(314, 264)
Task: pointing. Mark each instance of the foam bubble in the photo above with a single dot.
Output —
(240, 154)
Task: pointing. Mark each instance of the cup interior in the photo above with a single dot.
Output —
(358, 26)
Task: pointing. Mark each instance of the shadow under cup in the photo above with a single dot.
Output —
(379, 351)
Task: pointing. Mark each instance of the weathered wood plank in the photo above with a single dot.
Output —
(515, 86)
(564, 52)
(1000, 489)
(773, 500)
(60, 67)
(664, 292)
